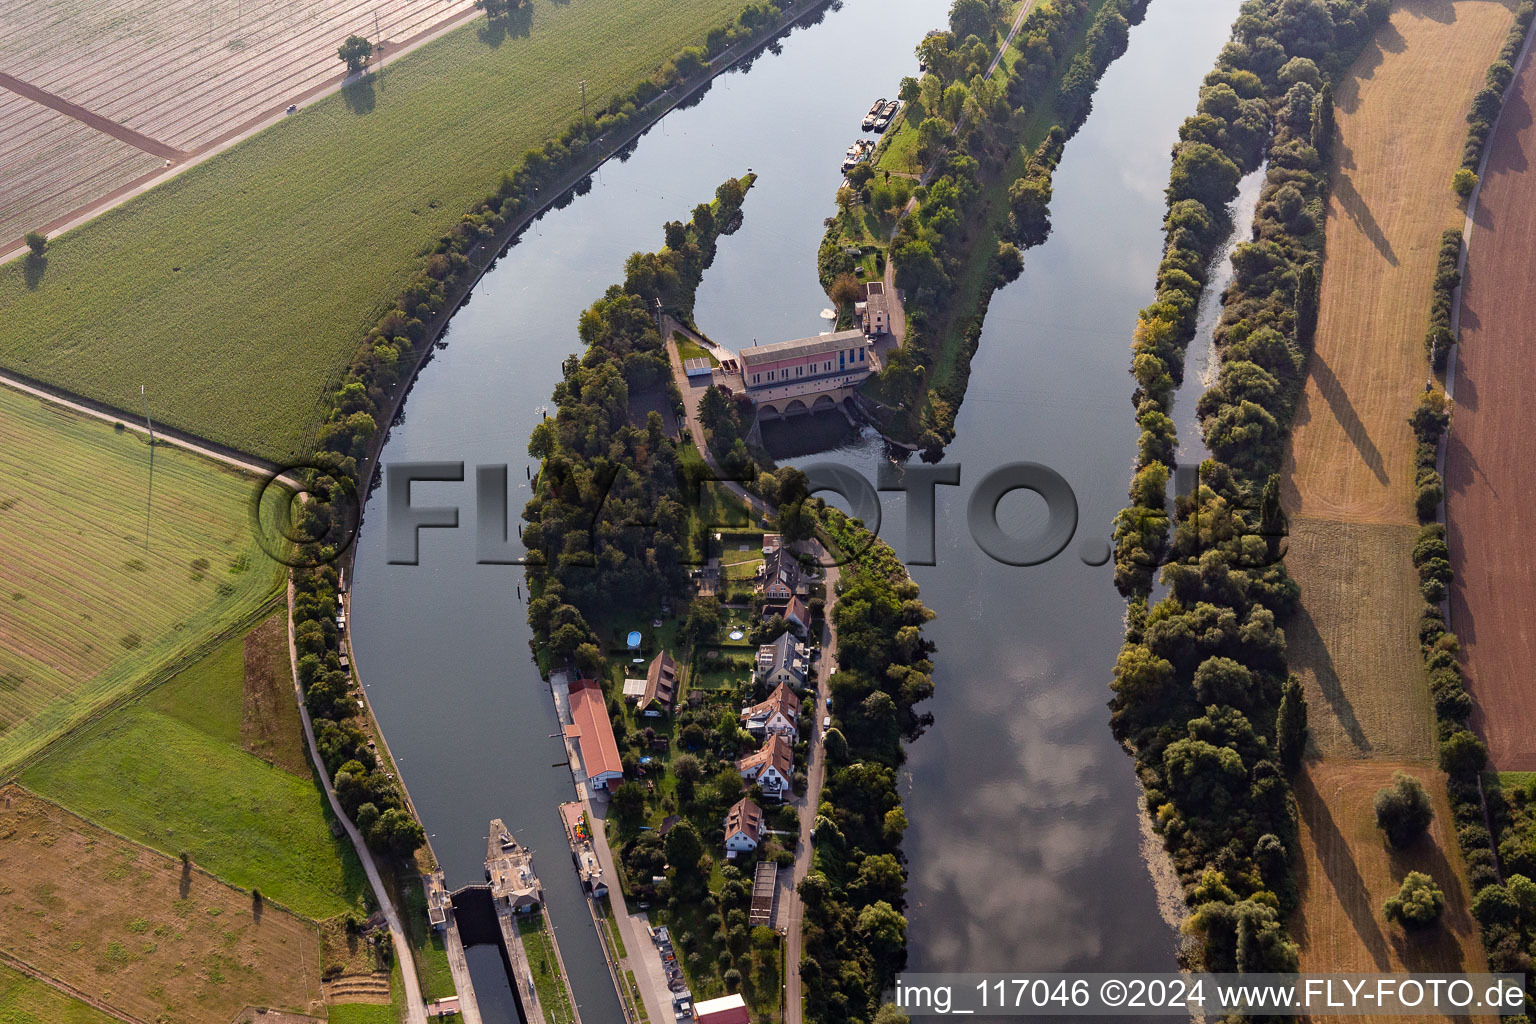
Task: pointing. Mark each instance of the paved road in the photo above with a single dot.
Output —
(415, 1007)
(634, 928)
(791, 911)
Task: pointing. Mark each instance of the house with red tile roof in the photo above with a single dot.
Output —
(772, 766)
(593, 733)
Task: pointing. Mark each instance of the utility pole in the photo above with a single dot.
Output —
(149, 498)
(583, 101)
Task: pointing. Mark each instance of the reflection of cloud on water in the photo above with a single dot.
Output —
(1003, 866)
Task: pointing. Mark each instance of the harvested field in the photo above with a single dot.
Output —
(133, 928)
(104, 583)
(1355, 644)
(50, 164)
(1490, 480)
(1347, 871)
(269, 722)
(216, 65)
(240, 315)
(1402, 121)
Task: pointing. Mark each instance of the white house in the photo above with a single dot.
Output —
(778, 714)
(783, 661)
(771, 767)
(743, 826)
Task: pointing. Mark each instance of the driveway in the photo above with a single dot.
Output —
(790, 909)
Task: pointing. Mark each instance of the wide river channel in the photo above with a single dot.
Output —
(1025, 845)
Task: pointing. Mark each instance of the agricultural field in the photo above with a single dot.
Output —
(215, 66)
(218, 68)
(1401, 123)
(1354, 643)
(169, 771)
(269, 718)
(138, 930)
(1490, 483)
(25, 1000)
(240, 315)
(105, 581)
(50, 164)
(1347, 871)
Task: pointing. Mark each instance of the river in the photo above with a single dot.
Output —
(1024, 841)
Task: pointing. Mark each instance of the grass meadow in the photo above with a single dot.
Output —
(239, 290)
(169, 771)
(25, 1000)
(105, 581)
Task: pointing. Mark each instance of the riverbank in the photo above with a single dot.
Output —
(983, 165)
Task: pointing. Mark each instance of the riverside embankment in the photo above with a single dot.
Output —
(1024, 843)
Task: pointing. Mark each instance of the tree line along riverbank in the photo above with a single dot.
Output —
(961, 184)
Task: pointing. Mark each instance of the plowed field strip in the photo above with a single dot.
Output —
(1490, 479)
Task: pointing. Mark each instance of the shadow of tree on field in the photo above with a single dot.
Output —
(360, 96)
(1353, 203)
(516, 24)
(1303, 634)
(1348, 886)
(1333, 392)
(32, 270)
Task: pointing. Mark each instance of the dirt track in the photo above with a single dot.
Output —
(1490, 473)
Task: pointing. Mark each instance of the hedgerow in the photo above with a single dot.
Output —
(1202, 694)
(1486, 104)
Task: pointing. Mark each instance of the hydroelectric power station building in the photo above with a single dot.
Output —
(806, 375)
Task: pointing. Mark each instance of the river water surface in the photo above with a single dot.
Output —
(1024, 843)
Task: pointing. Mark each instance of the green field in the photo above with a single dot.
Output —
(24, 1000)
(239, 290)
(103, 581)
(165, 771)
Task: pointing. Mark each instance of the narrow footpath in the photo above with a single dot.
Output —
(415, 1008)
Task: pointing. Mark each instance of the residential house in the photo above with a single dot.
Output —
(593, 733)
(777, 714)
(660, 686)
(783, 578)
(743, 826)
(875, 310)
(772, 766)
(783, 661)
(794, 611)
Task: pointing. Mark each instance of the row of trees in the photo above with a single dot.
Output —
(1439, 338)
(368, 794)
(968, 132)
(389, 352)
(1487, 826)
(1486, 104)
(1202, 695)
(855, 894)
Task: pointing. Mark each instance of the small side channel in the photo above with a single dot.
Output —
(1200, 362)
